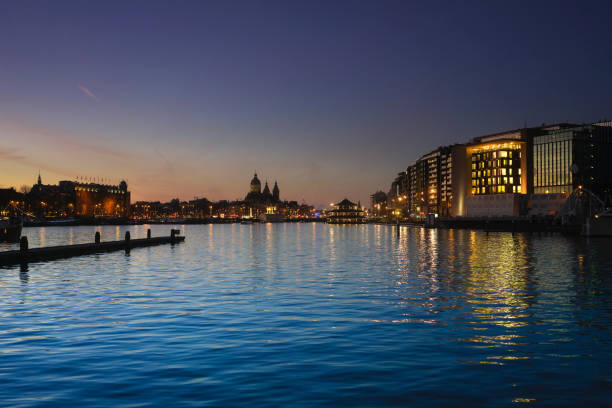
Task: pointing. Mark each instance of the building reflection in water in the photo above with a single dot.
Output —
(484, 282)
(41, 236)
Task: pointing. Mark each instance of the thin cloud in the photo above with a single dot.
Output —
(89, 93)
(70, 141)
(11, 155)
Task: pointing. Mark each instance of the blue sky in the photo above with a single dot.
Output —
(331, 99)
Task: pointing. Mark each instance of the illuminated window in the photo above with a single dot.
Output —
(503, 154)
(503, 172)
(510, 162)
(518, 189)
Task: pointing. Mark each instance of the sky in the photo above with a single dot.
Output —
(330, 99)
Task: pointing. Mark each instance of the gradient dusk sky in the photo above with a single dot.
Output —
(330, 98)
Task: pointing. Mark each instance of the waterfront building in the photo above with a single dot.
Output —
(567, 158)
(498, 174)
(346, 212)
(397, 198)
(101, 200)
(430, 180)
(445, 186)
(70, 198)
(11, 202)
(378, 204)
(502, 174)
(498, 164)
(412, 195)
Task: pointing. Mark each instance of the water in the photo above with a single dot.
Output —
(310, 315)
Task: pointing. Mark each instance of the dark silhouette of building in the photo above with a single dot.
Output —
(275, 193)
(265, 197)
(378, 204)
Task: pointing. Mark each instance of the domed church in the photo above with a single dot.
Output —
(255, 194)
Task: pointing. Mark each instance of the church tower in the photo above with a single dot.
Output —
(275, 192)
(266, 191)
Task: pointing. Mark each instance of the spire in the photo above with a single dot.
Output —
(39, 180)
(275, 192)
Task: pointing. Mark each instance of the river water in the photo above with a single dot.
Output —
(283, 315)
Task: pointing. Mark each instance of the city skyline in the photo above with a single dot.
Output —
(331, 100)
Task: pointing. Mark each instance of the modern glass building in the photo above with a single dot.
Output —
(568, 158)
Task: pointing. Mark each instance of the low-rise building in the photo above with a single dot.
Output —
(346, 212)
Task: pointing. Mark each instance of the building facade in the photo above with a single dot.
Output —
(345, 212)
(567, 158)
(501, 174)
(70, 198)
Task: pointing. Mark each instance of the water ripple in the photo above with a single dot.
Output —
(309, 315)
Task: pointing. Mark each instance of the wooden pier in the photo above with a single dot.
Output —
(25, 254)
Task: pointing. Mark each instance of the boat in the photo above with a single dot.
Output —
(10, 229)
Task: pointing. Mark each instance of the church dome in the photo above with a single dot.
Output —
(255, 180)
(255, 185)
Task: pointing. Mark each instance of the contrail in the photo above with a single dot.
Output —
(89, 93)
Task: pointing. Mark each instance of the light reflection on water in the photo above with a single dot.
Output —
(302, 315)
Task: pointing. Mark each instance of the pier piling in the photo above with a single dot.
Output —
(23, 244)
(149, 233)
(26, 254)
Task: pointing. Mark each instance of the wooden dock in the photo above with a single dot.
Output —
(25, 254)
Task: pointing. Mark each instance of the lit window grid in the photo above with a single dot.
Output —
(496, 172)
(553, 159)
